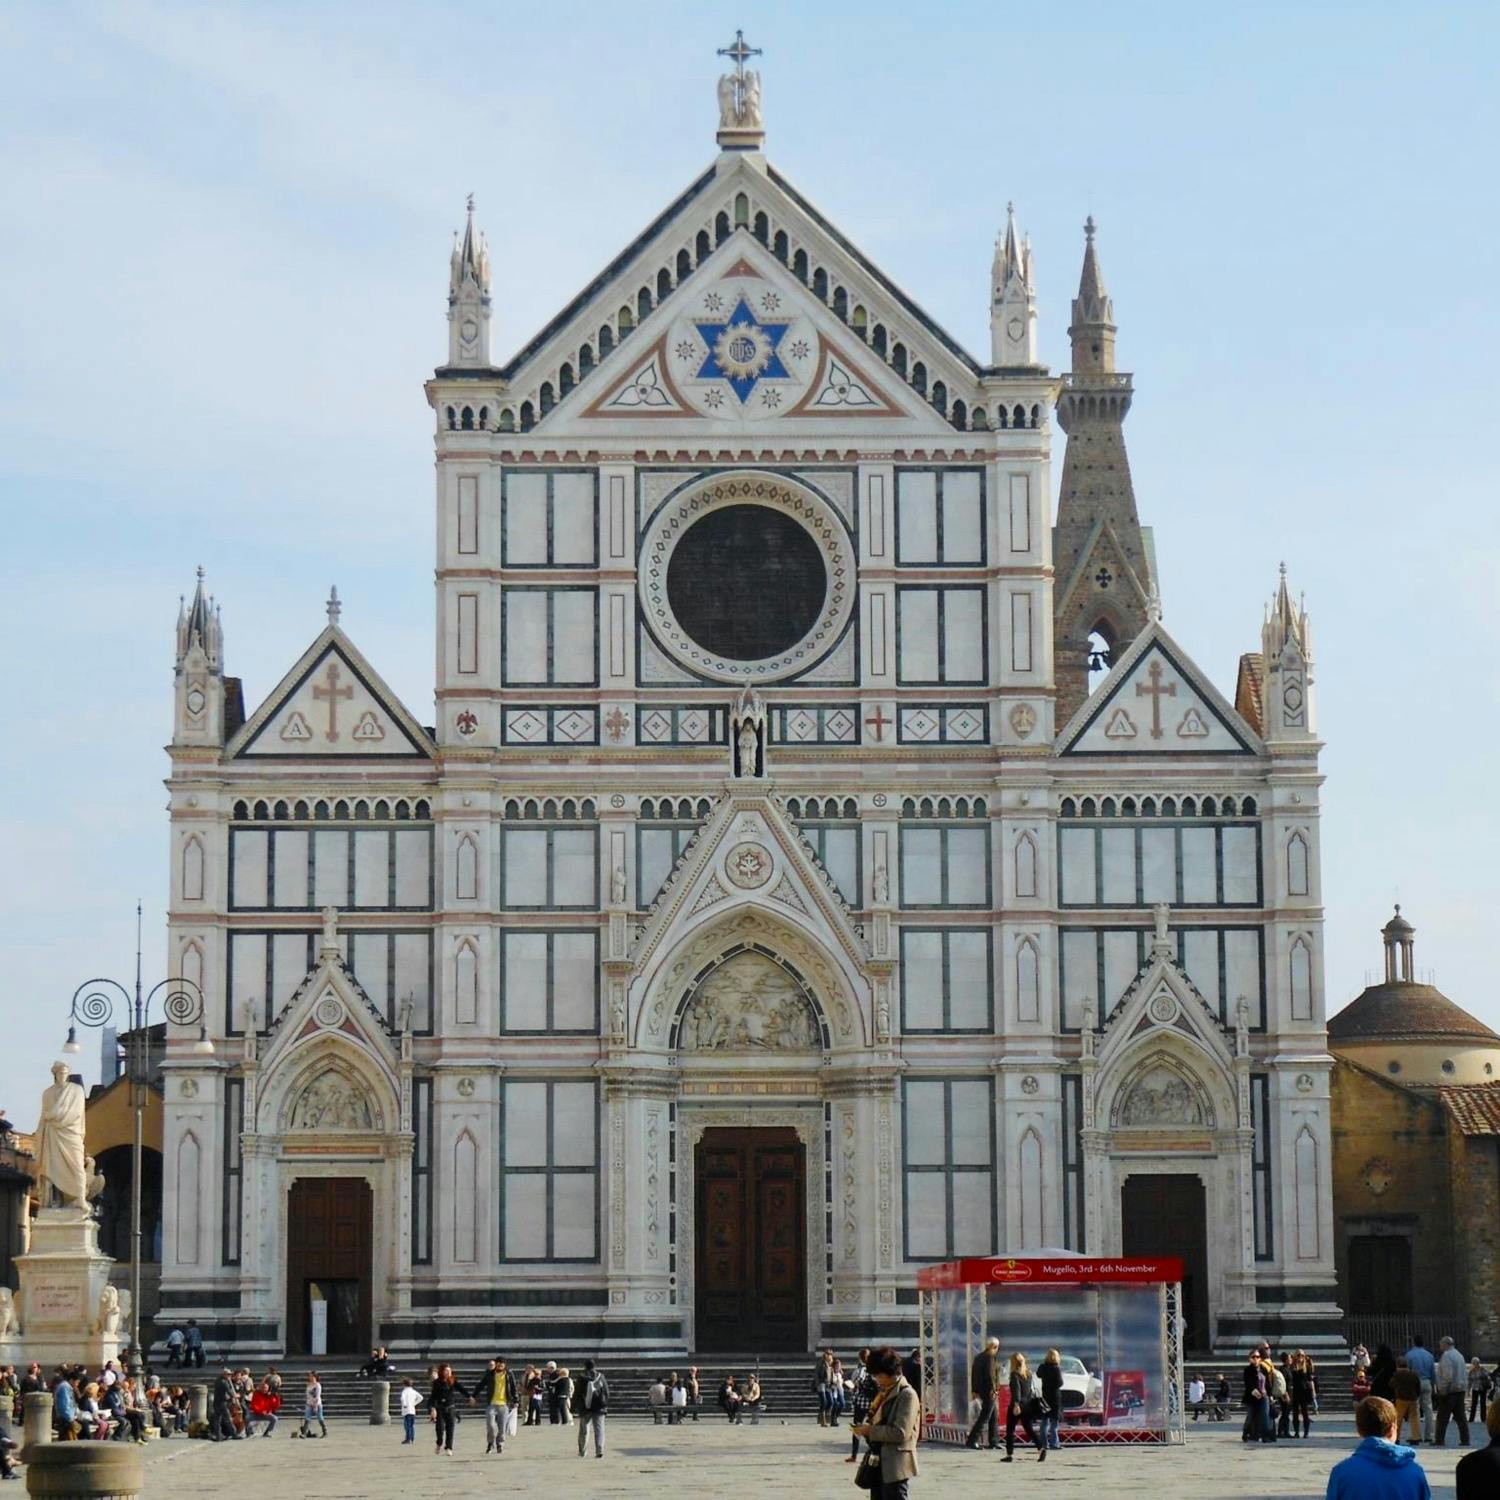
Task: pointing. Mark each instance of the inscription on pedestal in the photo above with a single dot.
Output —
(55, 1299)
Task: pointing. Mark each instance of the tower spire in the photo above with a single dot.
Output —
(1106, 571)
(469, 297)
(199, 671)
(1012, 299)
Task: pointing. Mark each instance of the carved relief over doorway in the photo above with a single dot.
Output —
(749, 1003)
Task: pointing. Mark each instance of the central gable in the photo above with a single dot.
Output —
(743, 343)
(837, 339)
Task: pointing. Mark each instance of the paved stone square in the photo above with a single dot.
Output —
(712, 1460)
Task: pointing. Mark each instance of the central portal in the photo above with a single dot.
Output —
(750, 1266)
(329, 1224)
(1165, 1215)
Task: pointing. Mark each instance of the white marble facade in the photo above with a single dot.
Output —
(641, 883)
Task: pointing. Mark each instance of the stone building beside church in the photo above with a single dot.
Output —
(768, 908)
(1415, 1091)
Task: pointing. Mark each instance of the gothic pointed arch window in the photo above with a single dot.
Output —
(1028, 981)
(625, 322)
(606, 340)
(466, 422)
(1102, 651)
(959, 416)
(465, 1198)
(585, 361)
(528, 417)
(545, 398)
(779, 246)
(1297, 866)
(878, 340)
(192, 869)
(741, 210)
(940, 396)
(1026, 865)
(841, 303)
(684, 266)
(466, 869)
(466, 983)
(898, 359)
(721, 227)
(1300, 978)
(642, 304)
(663, 284)
(762, 228)
(919, 377)
(703, 246)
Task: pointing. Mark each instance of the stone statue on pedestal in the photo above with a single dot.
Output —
(59, 1144)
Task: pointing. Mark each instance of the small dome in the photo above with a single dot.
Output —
(1402, 1011)
(1398, 927)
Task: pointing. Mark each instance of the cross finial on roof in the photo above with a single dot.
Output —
(739, 52)
(1088, 229)
(200, 573)
(469, 203)
(334, 607)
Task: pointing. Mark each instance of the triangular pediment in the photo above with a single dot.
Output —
(330, 1025)
(1156, 702)
(749, 853)
(823, 294)
(741, 342)
(332, 703)
(1161, 998)
(1103, 572)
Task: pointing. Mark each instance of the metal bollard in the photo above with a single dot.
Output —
(197, 1404)
(380, 1402)
(85, 1471)
(37, 1428)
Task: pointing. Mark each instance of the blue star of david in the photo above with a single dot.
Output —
(744, 322)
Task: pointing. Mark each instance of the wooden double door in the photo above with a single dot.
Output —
(329, 1230)
(1166, 1214)
(750, 1265)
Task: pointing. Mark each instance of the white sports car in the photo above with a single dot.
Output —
(1082, 1393)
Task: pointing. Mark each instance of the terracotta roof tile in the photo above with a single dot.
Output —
(1475, 1107)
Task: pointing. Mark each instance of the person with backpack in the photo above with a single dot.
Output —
(591, 1401)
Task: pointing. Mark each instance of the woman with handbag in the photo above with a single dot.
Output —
(1024, 1404)
(891, 1464)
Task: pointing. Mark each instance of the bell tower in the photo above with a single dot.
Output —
(1103, 558)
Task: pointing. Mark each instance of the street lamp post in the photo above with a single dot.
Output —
(99, 1001)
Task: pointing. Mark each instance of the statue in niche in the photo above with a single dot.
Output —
(1162, 1097)
(331, 1102)
(748, 723)
(749, 1004)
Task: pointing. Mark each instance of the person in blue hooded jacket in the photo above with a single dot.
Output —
(1380, 1468)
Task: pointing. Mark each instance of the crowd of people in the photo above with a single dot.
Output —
(1426, 1390)
(1033, 1400)
(99, 1405)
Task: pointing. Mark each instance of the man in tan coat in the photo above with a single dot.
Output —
(892, 1429)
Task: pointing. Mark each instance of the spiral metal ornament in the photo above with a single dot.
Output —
(182, 1003)
(94, 1002)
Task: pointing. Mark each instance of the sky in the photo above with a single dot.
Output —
(224, 233)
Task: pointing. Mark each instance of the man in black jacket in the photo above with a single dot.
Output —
(222, 1425)
(1478, 1476)
(591, 1402)
(984, 1386)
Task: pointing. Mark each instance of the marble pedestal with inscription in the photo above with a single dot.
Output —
(62, 1279)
